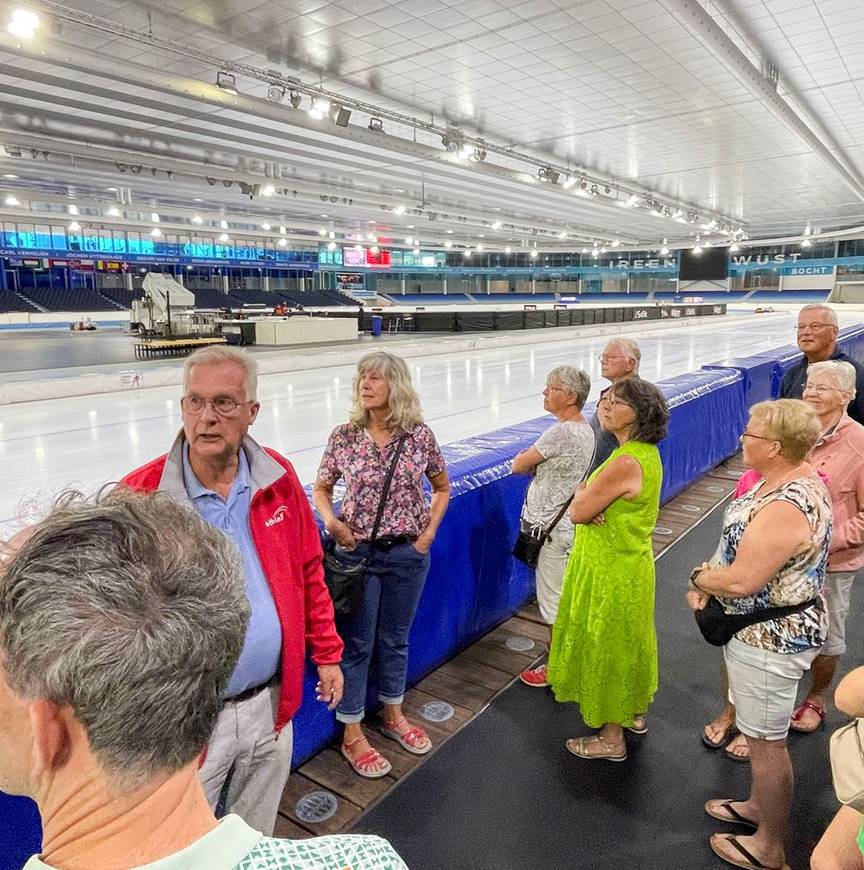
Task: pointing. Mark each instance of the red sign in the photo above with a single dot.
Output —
(382, 258)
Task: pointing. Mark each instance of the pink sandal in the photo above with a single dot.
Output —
(415, 739)
(366, 764)
(798, 715)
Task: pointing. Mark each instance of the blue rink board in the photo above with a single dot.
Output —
(474, 584)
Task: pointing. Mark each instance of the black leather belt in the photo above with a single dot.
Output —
(250, 693)
(388, 542)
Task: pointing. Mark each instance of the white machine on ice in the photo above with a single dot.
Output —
(164, 310)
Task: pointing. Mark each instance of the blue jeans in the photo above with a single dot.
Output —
(394, 582)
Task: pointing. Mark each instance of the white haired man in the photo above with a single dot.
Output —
(620, 359)
(817, 339)
(103, 718)
(252, 494)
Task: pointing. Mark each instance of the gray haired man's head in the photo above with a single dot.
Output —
(130, 611)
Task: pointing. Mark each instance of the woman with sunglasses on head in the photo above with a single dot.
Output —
(385, 431)
(773, 552)
(604, 646)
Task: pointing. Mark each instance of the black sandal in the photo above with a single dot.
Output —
(727, 737)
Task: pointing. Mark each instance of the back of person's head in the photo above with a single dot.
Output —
(792, 423)
(130, 611)
(649, 405)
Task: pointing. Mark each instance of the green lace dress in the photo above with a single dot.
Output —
(604, 646)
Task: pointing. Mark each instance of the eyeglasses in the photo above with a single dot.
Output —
(224, 406)
(553, 387)
(744, 435)
(803, 327)
(606, 357)
(613, 401)
(819, 390)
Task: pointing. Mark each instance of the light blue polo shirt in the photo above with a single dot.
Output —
(263, 643)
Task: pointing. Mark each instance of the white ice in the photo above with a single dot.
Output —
(86, 441)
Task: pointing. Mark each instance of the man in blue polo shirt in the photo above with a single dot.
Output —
(817, 338)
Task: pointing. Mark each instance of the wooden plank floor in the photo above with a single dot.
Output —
(469, 681)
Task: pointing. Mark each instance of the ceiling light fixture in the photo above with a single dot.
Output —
(664, 251)
(399, 210)
(154, 216)
(448, 243)
(224, 237)
(223, 224)
(416, 251)
(533, 253)
(295, 99)
(496, 225)
(466, 252)
(562, 235)
(282, 231)
(805, 243)
(74, 226)
(508, 250)
(569, 182)
(697, 249)
(275, 93)
(376, 125)
(197, 219)
(11, 200)
(339, 115)
(113, 211)
(319, 108)
(283, 243)
(23, 23)
(733, 248)
(268, 190)
(265, 227)
(73, 210)
(155, 232)
(226, 82)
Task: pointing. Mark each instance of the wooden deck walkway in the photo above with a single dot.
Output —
(468, 682)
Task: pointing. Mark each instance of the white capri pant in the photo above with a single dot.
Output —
(551, 565)
(837, 590)
(763, 686)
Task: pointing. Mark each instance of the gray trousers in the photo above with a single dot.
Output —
(244, 745)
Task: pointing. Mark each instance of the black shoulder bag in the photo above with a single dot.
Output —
(345, 579)
(530, 540)
(718, 627)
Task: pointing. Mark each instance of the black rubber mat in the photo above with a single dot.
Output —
(505, 794)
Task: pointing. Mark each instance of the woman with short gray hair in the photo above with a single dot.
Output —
(558, 460)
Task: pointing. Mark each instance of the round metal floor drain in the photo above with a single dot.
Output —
(437, 711)
(715, 488)
(662, 530)
(519, 644)
(691, 508)
(316, 806)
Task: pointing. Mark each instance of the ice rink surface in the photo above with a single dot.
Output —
(89, 440)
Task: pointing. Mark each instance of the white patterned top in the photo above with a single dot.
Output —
(233, 845)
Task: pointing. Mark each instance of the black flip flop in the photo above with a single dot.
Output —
(728, 736)
(736, 817)
(749, 862)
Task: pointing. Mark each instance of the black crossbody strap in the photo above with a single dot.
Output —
(386, 491)
(558, 517)
(777, 612)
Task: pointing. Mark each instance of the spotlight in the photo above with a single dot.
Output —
(569, 181)
(562, 235)
(322, 232)
(295, 99)
(224, 237)
(226, 82)
(733, 249)
(376, 125)
(496, 225)
(154, 216)
(282, 230)
(339, 115)
(533, 253)
(416, 251)
(594, 190)
(23, 24)
(223, 224)
(265, 227)
(664, 251)
(508, 250)
(448, 243)
(283, 242)
(319, 109)
(11, 200)
(615, 243)
(73, 210)
(155, 232)
(465, 151)
(697, 249)
(450, 141)
(631, 200)
(113, 212)
(197, 219)
(74, 227)
(400, 209)
(607, 190)
(479, 248)
(805, 243)
(267, 190)
(409, 241)
(374, 249)
(479, 155)
(331, 246)
(548, 174)
(275, 93)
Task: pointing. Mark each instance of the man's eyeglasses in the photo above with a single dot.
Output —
(803, 327)
(224, 406)
(608, 357)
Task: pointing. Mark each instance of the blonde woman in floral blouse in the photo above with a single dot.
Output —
(385, 409)
(773, 552)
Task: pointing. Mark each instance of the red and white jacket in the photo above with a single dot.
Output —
(289, 548)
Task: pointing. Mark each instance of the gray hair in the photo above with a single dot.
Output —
(219, 355)
(572, 380)
(842, 373)
(830, 313)
(404, 403)
(131, 610)
(630, 348)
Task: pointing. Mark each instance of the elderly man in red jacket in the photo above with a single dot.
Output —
(253, 495)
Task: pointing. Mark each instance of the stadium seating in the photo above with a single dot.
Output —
(12, 303)
(77, 299)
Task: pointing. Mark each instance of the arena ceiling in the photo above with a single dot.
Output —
(568, 123)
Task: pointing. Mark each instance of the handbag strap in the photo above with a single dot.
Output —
(774, 612)
(386, 490)
(558, 518)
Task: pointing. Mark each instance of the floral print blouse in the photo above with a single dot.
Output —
(352, 455)
(800, 579)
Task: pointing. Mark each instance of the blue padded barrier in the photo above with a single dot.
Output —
(758, 372)
(708, 414)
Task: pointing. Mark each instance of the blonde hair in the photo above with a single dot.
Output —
(219, 355)
(791, 422)
(404, 403)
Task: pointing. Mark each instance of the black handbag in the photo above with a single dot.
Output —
(531, 539)
(718, 627)
(344, 577)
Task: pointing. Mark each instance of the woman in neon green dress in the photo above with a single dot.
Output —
(604, 647)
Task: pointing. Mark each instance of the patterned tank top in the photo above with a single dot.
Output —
(800, 579)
